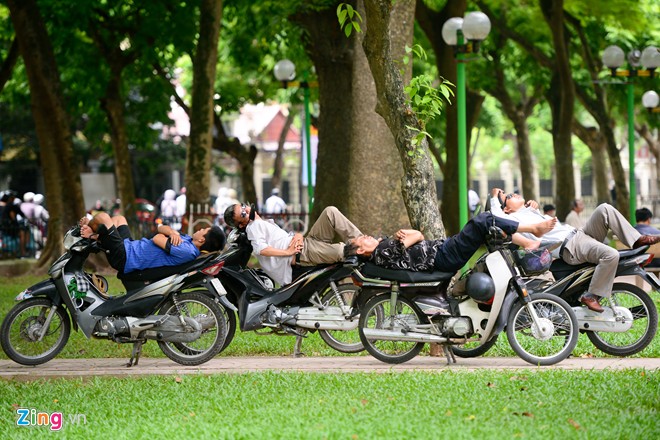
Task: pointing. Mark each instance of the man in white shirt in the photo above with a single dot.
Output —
(574, 218)
(277, 250)
(584, 245)
(275, 204)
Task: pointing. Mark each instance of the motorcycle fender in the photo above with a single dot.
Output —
(48, 289)
(500, 324)
(220, 293)
(646, 276)
(45, 288)
(225, 302)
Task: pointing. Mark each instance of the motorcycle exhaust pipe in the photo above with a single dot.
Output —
(396, 335)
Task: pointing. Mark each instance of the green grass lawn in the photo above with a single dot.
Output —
(245, 344)
(459, 405)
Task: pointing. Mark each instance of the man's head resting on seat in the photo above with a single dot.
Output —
(362, 246)
(214, 240)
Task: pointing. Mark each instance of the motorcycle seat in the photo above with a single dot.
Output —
(627, 253)
(405, 276)
(297, 270)
(560, 265)
(138, 278)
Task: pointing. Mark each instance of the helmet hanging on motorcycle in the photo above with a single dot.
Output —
(481, 288)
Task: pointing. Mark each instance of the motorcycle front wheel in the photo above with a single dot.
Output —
(644, 326)
(378, 314)
(198, 306)
(23, 326)
(344, 341)
(549, 342)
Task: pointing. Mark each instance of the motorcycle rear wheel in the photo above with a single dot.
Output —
(197, 305)
(645, 322)
(21, 327)
(472, 349)
(557, 336)
(378, 314)
(344, 341)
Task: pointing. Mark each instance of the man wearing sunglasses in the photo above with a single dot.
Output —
(278, 250)
(583, 245)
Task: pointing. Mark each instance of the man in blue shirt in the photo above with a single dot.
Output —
(643, 217)
(166, 248)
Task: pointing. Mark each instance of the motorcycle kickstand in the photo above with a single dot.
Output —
(449, 354)
(297, 346)
(137, 351)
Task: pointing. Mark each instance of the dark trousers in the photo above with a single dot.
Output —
(458, 249)
(112, 241)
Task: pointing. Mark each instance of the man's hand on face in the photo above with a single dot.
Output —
(495, 192)
(532, 204)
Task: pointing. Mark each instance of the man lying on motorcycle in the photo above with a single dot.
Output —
(584, 245)
(166, 248)
(408, 250)
(277, 250)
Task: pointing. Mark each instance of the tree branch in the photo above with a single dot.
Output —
(520, 39)
(8, 64)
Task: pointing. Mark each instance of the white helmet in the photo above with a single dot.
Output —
(38, 199)
(28, 196)
(170, 194)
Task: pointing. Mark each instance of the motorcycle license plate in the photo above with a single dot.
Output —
(218, 286)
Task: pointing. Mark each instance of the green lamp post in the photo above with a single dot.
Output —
(285, 72)
(464, 34)
(613, 57)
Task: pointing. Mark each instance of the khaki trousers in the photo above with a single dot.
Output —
(587, 246)
(320, 246)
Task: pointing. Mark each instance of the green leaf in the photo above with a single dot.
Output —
(356, 25)
(342, 17)
(348, 29)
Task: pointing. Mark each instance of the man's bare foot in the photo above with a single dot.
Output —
(83, 221)
(88, 232)
(544, 227)
(533, 245)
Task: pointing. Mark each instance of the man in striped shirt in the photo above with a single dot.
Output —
(166, 248)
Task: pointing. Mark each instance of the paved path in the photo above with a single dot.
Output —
(346, 364)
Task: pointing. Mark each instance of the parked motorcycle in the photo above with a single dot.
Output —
(177, 306)
(630, 319)
(316, 300)
(541, 328)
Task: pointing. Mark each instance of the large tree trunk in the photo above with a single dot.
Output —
(527, 165)
(431, 22)
(596, 105)
(198, 158)
(518, 113)
(279, 155)
(562, 99)
(113, 105)
(418, 182)
(594, 139)
(61, 175)
(332, 55)
(372, 141)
